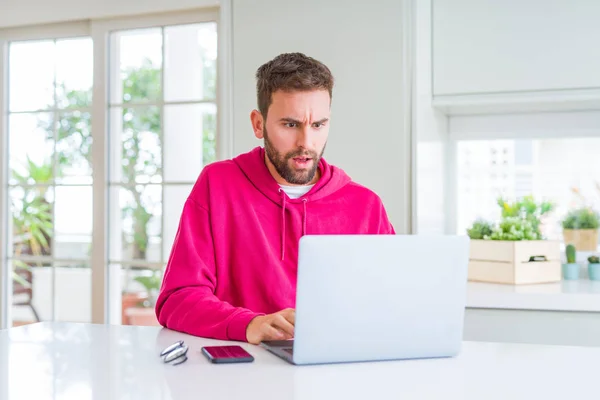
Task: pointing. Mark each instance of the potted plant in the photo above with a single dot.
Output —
(514, 250)
(594, 268)
(151, 282)
(480, 230)
(514, 228)
(580, 228)
(141, 312)
(571, 268)
(32, 224)
(529, 210)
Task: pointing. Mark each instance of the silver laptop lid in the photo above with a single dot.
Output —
(379, 297)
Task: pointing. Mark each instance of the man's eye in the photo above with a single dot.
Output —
(290, 124)
(318, 124)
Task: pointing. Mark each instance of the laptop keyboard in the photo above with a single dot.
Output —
(280, 343)
(286, 346)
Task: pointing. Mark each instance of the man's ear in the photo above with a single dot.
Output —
(258, 122)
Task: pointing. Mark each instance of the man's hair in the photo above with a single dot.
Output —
(290, 72)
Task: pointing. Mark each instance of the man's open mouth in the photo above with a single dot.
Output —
(302, 162)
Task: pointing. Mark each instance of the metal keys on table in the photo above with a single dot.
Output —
(175, 353)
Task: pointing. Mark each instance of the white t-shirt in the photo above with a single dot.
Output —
(295, 192)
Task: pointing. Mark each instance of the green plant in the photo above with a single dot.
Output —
(140, 151)
(31, 216)
(528, 209)
(514, 228)
(481, 229)
(581, 218)
(32, 221)
(520, 220)
(18, 264)
(594, 260)
(151, 283)
(140, 155)
(570, 252)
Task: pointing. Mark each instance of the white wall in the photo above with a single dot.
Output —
(31, 12)
(488, 46)
(431, 131)
(363, 45)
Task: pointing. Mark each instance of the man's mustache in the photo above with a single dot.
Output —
(302, 153)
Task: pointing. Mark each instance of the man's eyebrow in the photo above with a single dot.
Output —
(286, 119)
(295, 121)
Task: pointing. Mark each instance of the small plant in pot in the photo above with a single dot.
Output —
(481, 230)
(594, 268)
(500, 251)
(515, 229)
(151, 282)
(571, 268)
(528, 209)
(580, 228)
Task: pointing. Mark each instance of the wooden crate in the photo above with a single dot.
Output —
(508, 262)
(582, 239)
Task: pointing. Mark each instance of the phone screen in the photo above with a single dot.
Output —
(227, 354)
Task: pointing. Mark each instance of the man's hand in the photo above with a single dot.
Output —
(278, 326)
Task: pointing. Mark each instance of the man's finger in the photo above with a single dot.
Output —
(286, 336)
(282, 323)
(290, 315)
(271, 333)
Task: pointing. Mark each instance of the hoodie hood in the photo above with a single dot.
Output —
(253, 166)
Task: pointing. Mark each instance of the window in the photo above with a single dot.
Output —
(162, 127)
(108, 125)
(565, 171)
(49, 179)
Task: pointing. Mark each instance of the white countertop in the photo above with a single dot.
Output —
(84, 361)
(581, 295)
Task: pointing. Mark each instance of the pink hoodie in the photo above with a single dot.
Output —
(235, 254)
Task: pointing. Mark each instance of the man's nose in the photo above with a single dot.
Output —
(304, 139)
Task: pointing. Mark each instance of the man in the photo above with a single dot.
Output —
(232, 270)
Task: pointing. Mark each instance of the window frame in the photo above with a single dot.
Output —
(21, 34)
(509, 126)
(5, 276)
(106, 286)
(99, 31)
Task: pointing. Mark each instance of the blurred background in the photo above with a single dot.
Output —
(111, 110)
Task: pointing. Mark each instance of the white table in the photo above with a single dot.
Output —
(85, 361)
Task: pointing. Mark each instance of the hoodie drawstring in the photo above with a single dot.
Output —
(282, 226)
(304, 201)
(304, 218)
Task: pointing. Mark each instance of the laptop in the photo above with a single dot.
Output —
(366, 298)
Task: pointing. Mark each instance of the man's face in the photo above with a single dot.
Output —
(295, 134)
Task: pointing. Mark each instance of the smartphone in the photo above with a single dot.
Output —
(227, 354)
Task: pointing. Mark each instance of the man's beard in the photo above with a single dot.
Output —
(283, 168)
